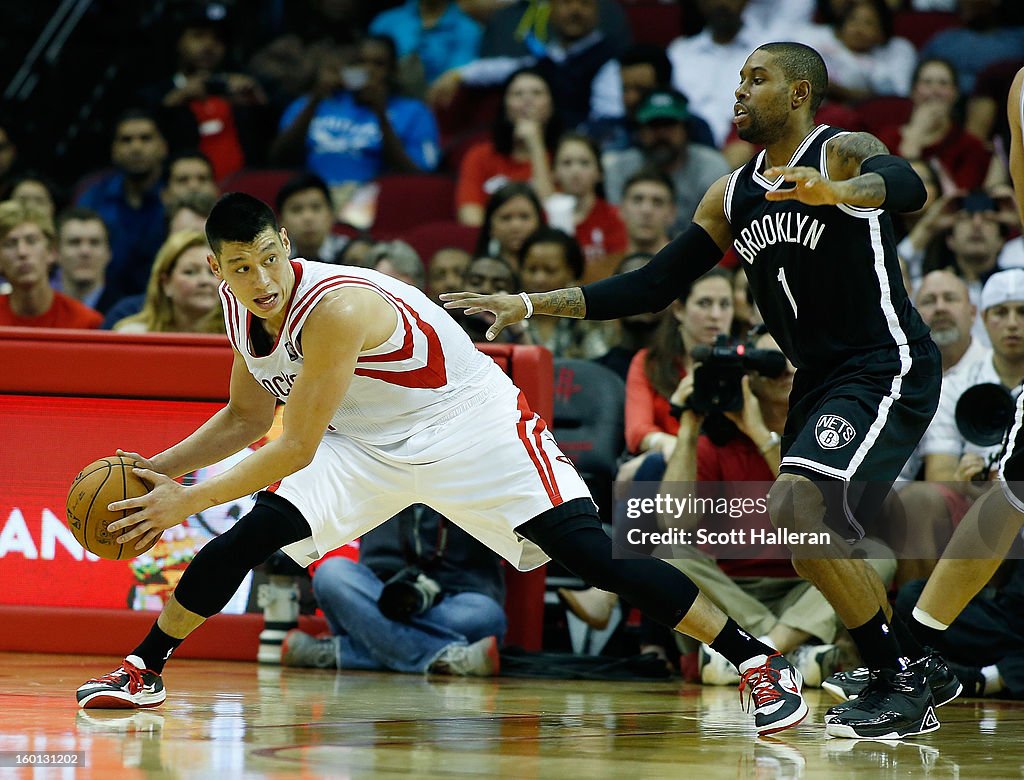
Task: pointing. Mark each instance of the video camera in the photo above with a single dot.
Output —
(717, 382)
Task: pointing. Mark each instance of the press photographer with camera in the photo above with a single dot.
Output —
(733, 412)
(424, 597)
(702, 313)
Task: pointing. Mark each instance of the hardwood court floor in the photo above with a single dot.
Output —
(225, 720)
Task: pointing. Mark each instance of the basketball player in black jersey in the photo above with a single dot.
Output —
(808, 219)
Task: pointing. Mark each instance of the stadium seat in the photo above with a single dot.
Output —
(884, 111)
(654, 21)
(408, 200)
(262, 184)
(919, 27)
(589, 423)
(427, 238)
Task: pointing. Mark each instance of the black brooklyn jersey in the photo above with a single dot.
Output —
(826, 279)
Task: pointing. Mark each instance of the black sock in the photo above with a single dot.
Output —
(912, 642)
(737, 645)
(926, 635)
(156, 648)
(877, 644)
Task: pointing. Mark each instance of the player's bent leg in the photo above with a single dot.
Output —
(205, 588)
(578, 542)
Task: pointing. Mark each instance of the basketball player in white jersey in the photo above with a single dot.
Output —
(387, 403)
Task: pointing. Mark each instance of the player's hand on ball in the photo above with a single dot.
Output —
(810, 186)
(164, 506)
(138, 461)
(507, 309)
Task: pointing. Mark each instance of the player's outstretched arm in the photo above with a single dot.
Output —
(861, 172)
(649, 289)
(1013, 114)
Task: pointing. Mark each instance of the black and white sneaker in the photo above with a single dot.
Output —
(774, 689)
(130, 686)
(893, 706)
(944, 684)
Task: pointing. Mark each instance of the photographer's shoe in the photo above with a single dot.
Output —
(299, 649)
(714, 668)
(815, 662)
(479, 659)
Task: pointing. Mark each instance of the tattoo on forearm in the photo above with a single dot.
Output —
(867, 190)
(562, 303)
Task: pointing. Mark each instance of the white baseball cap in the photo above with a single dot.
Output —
(1003, 287)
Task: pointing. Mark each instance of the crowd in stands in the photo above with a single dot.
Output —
(538, 144)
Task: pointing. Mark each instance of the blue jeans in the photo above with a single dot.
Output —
(347, 593)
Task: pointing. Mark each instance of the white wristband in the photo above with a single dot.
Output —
(529, 305)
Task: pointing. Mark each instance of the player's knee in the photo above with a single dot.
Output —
(796, 504)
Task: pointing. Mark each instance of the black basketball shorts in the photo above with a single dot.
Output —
(858, 423)
(1011, 465)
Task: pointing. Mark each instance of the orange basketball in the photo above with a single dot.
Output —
(97, 485)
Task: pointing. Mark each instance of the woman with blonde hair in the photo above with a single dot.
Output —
(182, 293)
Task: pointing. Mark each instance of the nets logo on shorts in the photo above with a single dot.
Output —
(833, 432)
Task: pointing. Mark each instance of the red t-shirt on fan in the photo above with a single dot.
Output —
(601, 235)
(65, 312)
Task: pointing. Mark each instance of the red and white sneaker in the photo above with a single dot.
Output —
(130, 686)
(774, 688)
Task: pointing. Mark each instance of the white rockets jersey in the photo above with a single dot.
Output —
(427, 371)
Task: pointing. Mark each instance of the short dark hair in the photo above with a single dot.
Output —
(503, 131)
(80, 214)
(653, 175)
(505, 193)
(649, 54)
(188, 154)
(239, 218)
(799, 63)
(300, 183)
(549, 235)
(137, 113)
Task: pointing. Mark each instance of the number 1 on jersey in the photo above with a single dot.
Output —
(785, 288)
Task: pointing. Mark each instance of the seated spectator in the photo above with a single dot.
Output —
(785, 611)
(513, 213)
(399, 261)
(596, 223)
(352, 126)
(129, 201)
(570, 61)
(648, 210)
(446, 271)
(189, 171)
(28, 252)
(933, 131)
(861, 53)
(633, 333)
(983, 38)
(189, 212)
(985, 644)
(357, 251)
(489, 276)
(664, 146)
(698, 316)
(620, 86)
(182, 293)
(451, 621)
(203, 104)
(33, 190)
(304, 206)
(432, 36)
(520, 28)
(83, 253)
(551, 260)
(524, 136)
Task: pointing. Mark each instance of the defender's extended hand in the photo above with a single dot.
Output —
(164, 506)
(811, 187)
(507, 309)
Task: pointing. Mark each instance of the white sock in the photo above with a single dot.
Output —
(750, 663)
(134, 659)
(993, 682)
(767, 641)
(925, 619)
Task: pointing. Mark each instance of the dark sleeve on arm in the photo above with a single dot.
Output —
(904, 190)
(687, 257)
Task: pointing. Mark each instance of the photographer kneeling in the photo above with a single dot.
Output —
(732, 415)
(424, 597)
